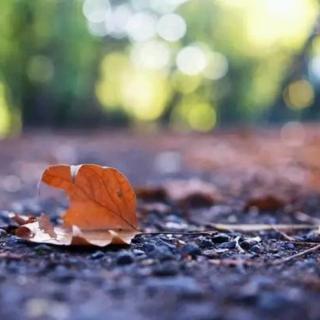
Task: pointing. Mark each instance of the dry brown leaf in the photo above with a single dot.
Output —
(266, 202)
(152, 194)
(185, 193)
(192, 193)
(102, 208)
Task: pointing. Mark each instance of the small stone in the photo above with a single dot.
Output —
(182, 286)
(3, 232)
(273, 301)
(42, 248)
(97, 255)
(246, 244)
(165, 269)
(162, 252)
(220, 238)
(289, 246)
(138, 252)
(205, 243)
(228, 245)
(210, 253)
(4, 218)
(256, 248)
(191, 249)
(62, 274)
(125, 258)
(148, 247)
(313, 236)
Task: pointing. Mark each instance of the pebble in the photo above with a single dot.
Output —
(125, 258)
(205, 243)
(273, 301)
(166, 269)
(182, 286)
(148, 247)
(256, 248)
(246, 244)
(62, 274)
(220, 238)
(161, 252)
(97, 255)
(190, 249)
(210, 253)
(138, 252)
(4, 218)
(228, 245)
(42, 248)
(289, 246)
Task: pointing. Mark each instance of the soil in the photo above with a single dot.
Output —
(184, 266)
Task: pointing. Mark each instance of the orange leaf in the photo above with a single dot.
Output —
(100, 197)
(102, 208)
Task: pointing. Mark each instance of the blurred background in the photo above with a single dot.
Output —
(188, 65)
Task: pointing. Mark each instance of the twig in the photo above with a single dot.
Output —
(297, 255)
(263, 227)
(239, 227)
(303, 217)
(182, 232)
(284, 235)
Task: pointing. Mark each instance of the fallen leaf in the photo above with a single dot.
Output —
(102, 208)
(192, 193)
(266, 202)
(152, 194)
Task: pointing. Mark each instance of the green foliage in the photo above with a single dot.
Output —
(60, 66)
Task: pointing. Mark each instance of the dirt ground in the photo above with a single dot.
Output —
(231, 224)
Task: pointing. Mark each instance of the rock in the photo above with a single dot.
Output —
(97, 255)
(220, 238)
(228, 245)
(247, 243)
(205, 243)
(256, 248)
(165, 269)
(62, 274)
(210, 253)
(190, 249)
(138, 252)
(181, 286)
(273, 301)
(148, 247)
(159, 250)
(4, 219)
(125, 258)
(42, 249)
(289, 246)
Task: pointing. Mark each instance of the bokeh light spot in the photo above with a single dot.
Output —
(95, 10)
(299, 94)
(191, 60)
(151, 55)
(5, 116)
(171, 27)
(194, 114)
(217, 66)
(202, 117)
(140, 93)
(141, 27)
